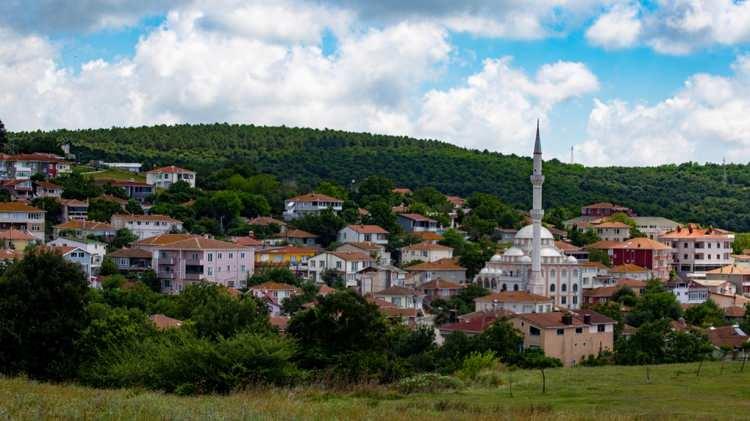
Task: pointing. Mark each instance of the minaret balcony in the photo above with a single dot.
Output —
(537, 179)
(536, 214)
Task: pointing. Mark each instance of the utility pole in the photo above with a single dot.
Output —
(572, 161)
(724, 166)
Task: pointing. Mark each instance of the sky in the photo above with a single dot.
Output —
(620, 82)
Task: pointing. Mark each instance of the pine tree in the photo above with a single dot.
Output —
(3, 136)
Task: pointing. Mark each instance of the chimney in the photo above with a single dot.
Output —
(587, 319)
(567, 319)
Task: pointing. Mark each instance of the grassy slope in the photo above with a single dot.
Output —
(581, 393)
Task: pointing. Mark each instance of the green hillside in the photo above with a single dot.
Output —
(602, 393)
(687, 192)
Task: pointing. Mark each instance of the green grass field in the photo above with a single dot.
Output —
(603, 393)
(115, 174)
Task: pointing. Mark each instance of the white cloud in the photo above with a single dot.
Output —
(707, 117)
(674, 27)
(496, 108)
(618, 28)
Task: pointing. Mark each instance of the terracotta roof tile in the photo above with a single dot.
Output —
(367, 229)
(75, 224)
(439, 283)
(627, 268)
(17, 207)
(442, 264)
(641, 243)
(397, 290)
(131, 253)
(427, 246)
(171, 169)
(314, 197)
(514, 297)
(163, 322)
(416, 217)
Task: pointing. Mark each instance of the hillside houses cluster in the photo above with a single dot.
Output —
(537, 278)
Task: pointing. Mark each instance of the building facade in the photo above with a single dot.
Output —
(310, 204)
(166, 176)
(22, 217)
(145, 226)
(698, 250)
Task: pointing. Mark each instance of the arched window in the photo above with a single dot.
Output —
(575, 287)
(494, 283)
(551, 287)
(505, 287)
(564, 287)
(515, 287)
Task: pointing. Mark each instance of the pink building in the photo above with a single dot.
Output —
(182, 259)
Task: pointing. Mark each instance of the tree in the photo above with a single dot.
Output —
(501, 338)
(123, 238)
(3, 137)
(76, 186)
(283, 275)
(109, 267)
(326, 225)
(333, 279)
(42, 314)
(102, 210)
(341, 323)
(745, 323)
(375, 188)
(705, 314)
(53, 212)
(535, 358)
(625, 296)
(599, 255)
(655, 304)
(332, 189)
(134, 207)
(380, 214)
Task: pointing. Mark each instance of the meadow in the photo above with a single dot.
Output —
(596, 393)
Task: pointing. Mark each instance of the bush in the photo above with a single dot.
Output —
(429, 383)
(476, 363)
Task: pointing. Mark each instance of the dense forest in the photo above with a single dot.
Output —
(303, 157)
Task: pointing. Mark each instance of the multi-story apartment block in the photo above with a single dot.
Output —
(20, 216)
(646, 253)
(346, 264)
(696, 249)
(82, 229)
(136, 190)
(654, 226)
(166, 176)
(74, 210)
(145, 226)
(23, 166)
(47, 189)
(310, 204)
(425, 252)
(182, 259)
(363, 233)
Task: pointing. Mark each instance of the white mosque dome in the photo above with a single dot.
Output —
(525, 259)
(549, 252)
(572, 259)
(513, 252)
(496, 258)
(527, 232)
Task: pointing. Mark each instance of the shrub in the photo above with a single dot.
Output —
(429, 383)
(476, 363)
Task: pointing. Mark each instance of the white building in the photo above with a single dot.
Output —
(145, 226)
(134, 167)
(79, 256)
(533, 264)
(425, 252)
(514, 301)
(346, 264)
(363, 233)
(20, 216)
(698, 250)
(166, 176)
(414, 222)
(310, 204)
(96, 249)
(654, 226)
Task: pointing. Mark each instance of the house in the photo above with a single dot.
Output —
(145, 226)
(473, 324)
(401, 297)
(699, 250)
(310, 204)
(688, 291)
(569, 249)
(132, 259)
(726, 301)
(592, 273)
(414, 222)
(567, 336)
(19, 189)
(22, 217)
(514, 301)
(47, 189)
(274, 293)
(23, 166)
(82, 229)
(13, 239)
(729, 336)
(376, 278)
(134, 167)
(363, 233)
(136, 190)
(654, 226)
(114, 199)
(403, 191)
(605, 209)
(247, 240)
(293, 236)
(425, 252)
(631, 271)
(718, 286)
(74, 210)
(409, 316)
(346, 264)
(162, 322)
(79, 256)
(439, 288)
(293, 257)
(738, 274)
(183, 259)
(96, 249)
(607, 230)
(447, 269)
(8, 256)
(644, 252)
(504, 235)
(605, 293)
(164, 177)
(377, 251)
(267, 221)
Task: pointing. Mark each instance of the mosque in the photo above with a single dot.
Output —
(533, 264)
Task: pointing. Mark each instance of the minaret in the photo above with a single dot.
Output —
(536, 283)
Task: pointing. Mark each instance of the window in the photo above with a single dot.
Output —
(564, 288)
(243, 268)
(210, 257)
(575, 299)
(600, 328)
(210, 271)
(563, 300)
(242, 255)
(579, 330)
(312, 263)
(575, 287)
(338, 265)
(552, 288)
(229, 269)
(515, 287)
(218, 256)
(560, 332)
(231, 255)
(533, 331)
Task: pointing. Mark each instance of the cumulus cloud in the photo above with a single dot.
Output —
(493, 110)
(705, 118)
(674, 27)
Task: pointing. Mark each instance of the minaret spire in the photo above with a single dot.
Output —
(536, 283)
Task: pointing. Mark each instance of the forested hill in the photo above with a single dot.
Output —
(687, 192)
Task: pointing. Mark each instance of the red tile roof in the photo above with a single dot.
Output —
(565, 246)
(153, 217)
(438, 265)
(693, 231)
(163, 322)
(428, 236)
(75, 224)
(266, 220)
(476, 322)
(247, 241)
(416, 217)
(367, 229)
(351, 256)
(641, 243)
(731, 336)
(273, 286)
(401, 190)
(186, 242)
(131, 253)
(397, 291)
(295, 233)
(14, 234)
(627, 268)
(554, 319)
(171, 169)
(439, 283)
(17, 207)
(315, 197)
(514, 297)
(603, 245)
(427, 246)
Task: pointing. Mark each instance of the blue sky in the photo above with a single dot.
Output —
(609, 78)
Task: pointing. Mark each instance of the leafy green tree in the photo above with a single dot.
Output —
(53, 212)
(333, 279)
(325, 225)
(76, 186)
(491, 208)
(102, 210)
(332, 189)
(745, 323)
(655, 304)
(123, 238)
(42, 314)
(134, 207)
(274, 274)
(380, 214)
(599, 255)
(501, 338)
(254, 205)
(375, 188)
(109, 267)
(3, 137)
(535, 358)
(582, 238)
(111, 329)
(705, 314)
(149, 278)
(625, 296)
(341, 323)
